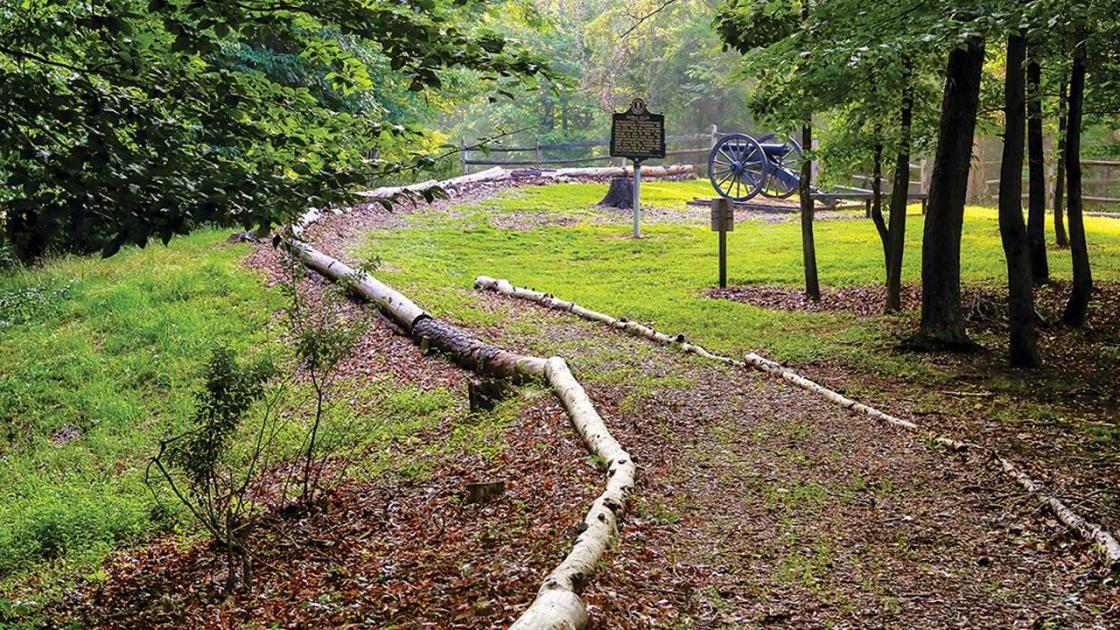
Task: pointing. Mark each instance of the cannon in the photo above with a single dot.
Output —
(741, 166)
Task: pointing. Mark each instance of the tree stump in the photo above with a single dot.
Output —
(620, 194)
(484, 393)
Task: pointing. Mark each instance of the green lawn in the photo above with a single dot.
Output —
(661, 278)
(99, 359)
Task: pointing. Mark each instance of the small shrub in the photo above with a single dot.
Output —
(219, 484)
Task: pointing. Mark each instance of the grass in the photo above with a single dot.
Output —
(661, 278)
(99, 359)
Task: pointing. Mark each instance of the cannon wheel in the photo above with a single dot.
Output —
(737, 167)
(774, 187)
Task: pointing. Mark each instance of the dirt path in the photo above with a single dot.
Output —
(759, 504)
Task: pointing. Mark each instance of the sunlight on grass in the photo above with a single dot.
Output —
(662, 277)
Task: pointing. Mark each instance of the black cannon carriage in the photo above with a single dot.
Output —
(741, 166)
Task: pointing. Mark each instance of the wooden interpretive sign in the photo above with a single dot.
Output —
(723, 221)
(637, 133)
(723, 216)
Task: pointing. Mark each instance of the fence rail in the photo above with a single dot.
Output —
(476, 156)
(1102, 189)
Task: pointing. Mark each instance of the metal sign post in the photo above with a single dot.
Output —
(637, 198)
(638, 134)
(723, 221)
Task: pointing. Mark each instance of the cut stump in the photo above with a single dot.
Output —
(485, 393)
(620, 194)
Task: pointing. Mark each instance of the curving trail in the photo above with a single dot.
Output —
(1103, 540)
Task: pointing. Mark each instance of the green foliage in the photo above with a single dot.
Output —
(229, 390)
(673, 58)
(128, 119)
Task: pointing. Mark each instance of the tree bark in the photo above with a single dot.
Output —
(1060, 172)
(1013, 233)
(808, 246)
(1078, 305)
(620, 194)
(877, 200)
(899, 194)
(942, 326)
(1036, 215)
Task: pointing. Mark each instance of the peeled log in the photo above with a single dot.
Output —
(1105, 543)
(619, 195)
(557, 604)
(668, 170)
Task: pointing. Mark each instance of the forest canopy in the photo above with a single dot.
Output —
(127, 119)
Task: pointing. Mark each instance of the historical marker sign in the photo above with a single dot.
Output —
(638, 134)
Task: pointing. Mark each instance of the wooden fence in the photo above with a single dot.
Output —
(1101, 182)
(542, 155)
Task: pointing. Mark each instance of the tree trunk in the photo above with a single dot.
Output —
(1036, 215)
(877, 200)
(620, 194)
(808, 246)
(1078, 305)
(1020, 298)
(899, 194)
(942, 326)
(1060, 171)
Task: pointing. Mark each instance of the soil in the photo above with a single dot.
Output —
(757, 504)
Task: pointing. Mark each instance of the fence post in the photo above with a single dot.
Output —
(713, 131)
(463, 154)
(540, 155)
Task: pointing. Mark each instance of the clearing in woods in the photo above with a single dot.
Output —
(757, 503)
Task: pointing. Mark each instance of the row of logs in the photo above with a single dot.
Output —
(1104, 542)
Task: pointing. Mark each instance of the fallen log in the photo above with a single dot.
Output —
(1104, 542)
(557, 604)
(388, 192)
(667, 170)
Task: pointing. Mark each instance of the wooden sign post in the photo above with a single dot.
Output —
(723, 221)
(638, 134)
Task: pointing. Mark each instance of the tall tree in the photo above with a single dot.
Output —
(1013, 233)
(942, 324)
(899, 195)
(1036, 215)
(1078, 305)
(808, 243)
(1060, 236)
(805, 196)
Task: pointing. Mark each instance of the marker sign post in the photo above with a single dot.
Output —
(723, 221)
(638, 134)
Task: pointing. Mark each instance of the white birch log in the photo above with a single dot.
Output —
(557, 604)
(1105, 543)
(667, 170)
(388, 192)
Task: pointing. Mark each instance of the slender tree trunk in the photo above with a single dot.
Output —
(1060, 171)
(1012, 231)
(942, 324)
(808, 246)
(899, 194)
(1036, 215)
(1078, 305)
(877, 199)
